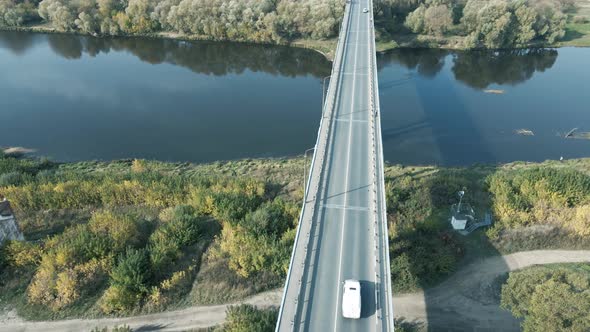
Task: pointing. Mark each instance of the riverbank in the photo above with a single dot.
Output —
(577, 34)
(457, 25)
(55, 201)
(418, 310)
(324, 47)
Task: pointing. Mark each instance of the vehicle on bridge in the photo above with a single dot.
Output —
(351, 299)
(365, 10)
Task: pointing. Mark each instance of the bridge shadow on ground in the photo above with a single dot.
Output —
(460, 294)
(426, 117)
(440, 279)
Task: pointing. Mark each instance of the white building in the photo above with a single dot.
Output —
(462, 216)
(8, 227)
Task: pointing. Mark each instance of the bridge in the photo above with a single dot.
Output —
(342, 232)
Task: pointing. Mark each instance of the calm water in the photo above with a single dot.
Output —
(436, 110)
(78, 98)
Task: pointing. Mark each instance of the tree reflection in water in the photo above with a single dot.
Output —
(211, 58)
(477, 69)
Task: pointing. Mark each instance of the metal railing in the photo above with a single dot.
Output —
(317, 164)
(382, 275)
(299, 263)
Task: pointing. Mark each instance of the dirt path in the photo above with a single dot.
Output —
(468, 300)
(179, 320)
(465, 302)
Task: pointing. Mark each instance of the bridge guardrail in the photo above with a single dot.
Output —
(306, 216)
(381, 242)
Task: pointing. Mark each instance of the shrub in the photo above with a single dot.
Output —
(540, 195)
(97, 257)
(249, 254)
(21, 254)
(124, 328)
(25, 166)
(80, 257)
(261, 242)
(246, 318)
(138, 166)
(580, 19)
(554, 299)
(12, 179)
(184, 229)
(121, 229)
(169, 290)
(422, 257)
(128, 282)
(270, 219)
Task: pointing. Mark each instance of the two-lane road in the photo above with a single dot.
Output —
(342, 233)
(345, 248)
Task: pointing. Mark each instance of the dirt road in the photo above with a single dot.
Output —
(467, 301)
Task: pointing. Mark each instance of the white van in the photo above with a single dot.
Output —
(351, 299)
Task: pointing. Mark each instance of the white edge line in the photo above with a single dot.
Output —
(346, 185)
(338, 55)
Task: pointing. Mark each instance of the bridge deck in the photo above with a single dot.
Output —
(344, 236)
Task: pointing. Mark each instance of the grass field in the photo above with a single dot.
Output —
(578, 26)
(424, 248)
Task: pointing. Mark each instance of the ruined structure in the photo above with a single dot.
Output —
(8, 227)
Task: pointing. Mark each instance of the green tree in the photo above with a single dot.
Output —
(415, 20)
(552, 299)
(558, 306)
(438, 19)
(550, 24)
(166, 243)
(128, 283)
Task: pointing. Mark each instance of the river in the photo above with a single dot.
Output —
(80, 98)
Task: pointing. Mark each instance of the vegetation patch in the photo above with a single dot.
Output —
(541, 196)
(423, 248)
(493, 24)
(455, 24)
(242, 20)
(246, 317)
(534, 206)
(577, 29)
(139, 236)
(550, 298)
(131, 237)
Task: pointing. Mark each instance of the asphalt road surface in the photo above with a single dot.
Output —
(451, 305)
(344, 241)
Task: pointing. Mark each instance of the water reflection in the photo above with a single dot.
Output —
(477, 69)
(458, 108)
(18, 42)
(426, 62)
(212, 58)
(79, 98)
(481, 69)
